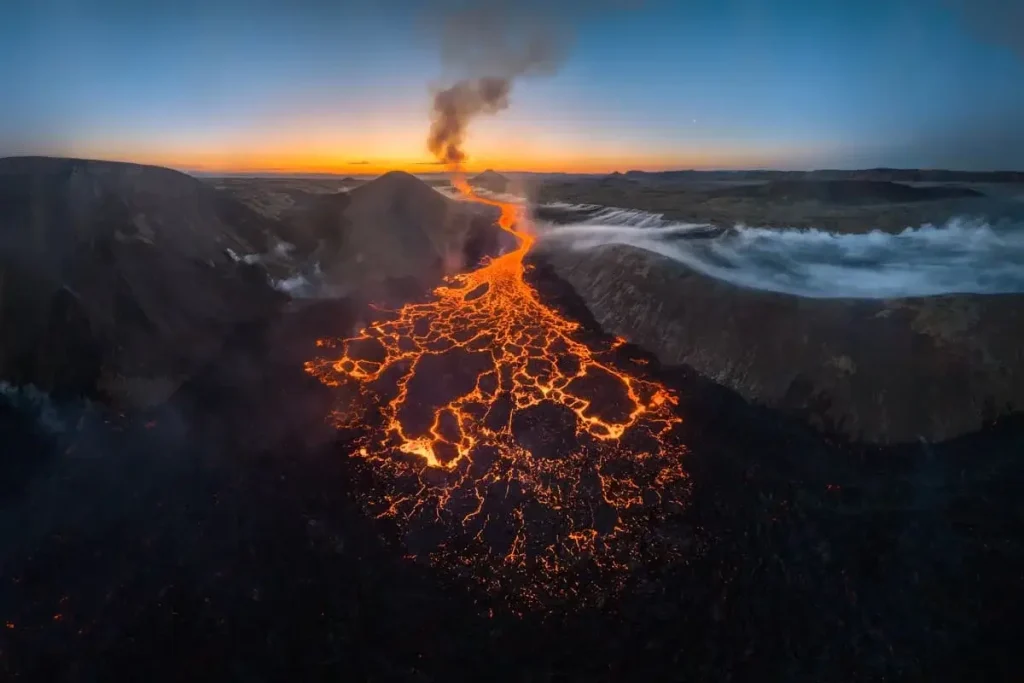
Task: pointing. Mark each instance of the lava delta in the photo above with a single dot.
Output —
(505, 448)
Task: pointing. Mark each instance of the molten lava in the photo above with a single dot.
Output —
(503, 446)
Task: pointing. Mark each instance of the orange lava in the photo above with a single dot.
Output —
(505, 447)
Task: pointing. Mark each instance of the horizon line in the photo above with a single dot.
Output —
(286, 172)
(342, 174)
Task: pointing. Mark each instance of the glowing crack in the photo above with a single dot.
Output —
(549, 461)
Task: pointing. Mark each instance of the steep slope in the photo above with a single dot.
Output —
(883, 370)
(115, 279)
(401, 232)
(316, 221)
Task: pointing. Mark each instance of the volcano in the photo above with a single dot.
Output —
(401, 235)
(492, 181)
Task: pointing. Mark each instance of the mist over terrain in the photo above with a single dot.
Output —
(963, 256)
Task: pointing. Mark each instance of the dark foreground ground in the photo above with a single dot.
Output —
(216, 539)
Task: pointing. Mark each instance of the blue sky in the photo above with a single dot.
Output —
(657, 84)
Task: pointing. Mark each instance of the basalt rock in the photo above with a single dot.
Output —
(884, 371)
(118, 280)
(400, 230)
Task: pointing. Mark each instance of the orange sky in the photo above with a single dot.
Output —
(368, 143)
(388, 130)
(321, 86)
(346, 160)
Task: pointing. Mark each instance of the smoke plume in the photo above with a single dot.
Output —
(489, 47)
(456, 106)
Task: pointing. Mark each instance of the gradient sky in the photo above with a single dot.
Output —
(345, 86)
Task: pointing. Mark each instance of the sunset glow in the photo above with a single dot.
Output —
(358, 160)
(343, 91)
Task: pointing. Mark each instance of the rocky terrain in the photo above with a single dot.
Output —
(846, 191)
(402, 231)
(391, 238)
(844, 202)
(273, 196)
(118, 280)
(881, 370)
(212, 531)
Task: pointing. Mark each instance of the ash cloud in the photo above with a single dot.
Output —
(490, 46)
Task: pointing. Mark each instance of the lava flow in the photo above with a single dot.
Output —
(504, 446)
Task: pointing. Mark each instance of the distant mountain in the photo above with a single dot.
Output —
(875, 174)
(847, 191)
(490, 180)
(117, 280)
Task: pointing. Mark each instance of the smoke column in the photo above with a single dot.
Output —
(456, 106)
(490, 46)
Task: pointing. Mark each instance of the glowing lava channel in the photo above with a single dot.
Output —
(548, 461)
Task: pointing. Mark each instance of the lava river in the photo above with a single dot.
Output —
(504, 447)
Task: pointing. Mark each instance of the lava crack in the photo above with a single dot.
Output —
(503, 446)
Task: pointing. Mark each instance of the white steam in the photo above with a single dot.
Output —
(35, 402)
(305, 284)
(960, 257)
